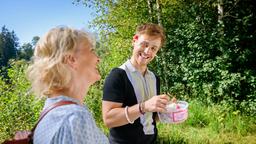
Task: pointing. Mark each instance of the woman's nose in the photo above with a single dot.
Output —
(98, 59)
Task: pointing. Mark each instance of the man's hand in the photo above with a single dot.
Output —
(157, 103)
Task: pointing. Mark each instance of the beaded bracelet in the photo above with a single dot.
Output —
(126, 115)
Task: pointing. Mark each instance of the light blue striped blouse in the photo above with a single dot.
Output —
(68, 124)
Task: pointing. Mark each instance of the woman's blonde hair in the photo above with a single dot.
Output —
(49, 72)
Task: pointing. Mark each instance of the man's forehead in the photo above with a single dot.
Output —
(145, 36)
(152, 40)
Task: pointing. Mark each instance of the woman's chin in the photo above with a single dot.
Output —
(96, 78)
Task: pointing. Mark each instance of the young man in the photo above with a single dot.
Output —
(131, 92)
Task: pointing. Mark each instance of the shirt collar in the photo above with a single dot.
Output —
(131, 68)
(50, 101)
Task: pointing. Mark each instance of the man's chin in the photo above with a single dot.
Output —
(145, 62)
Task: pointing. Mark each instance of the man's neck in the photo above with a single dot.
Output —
(141, 68)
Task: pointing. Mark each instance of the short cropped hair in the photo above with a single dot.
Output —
(48, 72)
(152, 30)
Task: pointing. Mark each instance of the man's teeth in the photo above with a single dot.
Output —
(144, 57)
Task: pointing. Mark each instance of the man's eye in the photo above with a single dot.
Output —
(144, 44)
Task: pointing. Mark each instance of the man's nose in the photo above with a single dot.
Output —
(147, 50)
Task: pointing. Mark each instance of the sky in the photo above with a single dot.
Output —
(29, 18)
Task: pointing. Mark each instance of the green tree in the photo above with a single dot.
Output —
(35, 39)
(8, 45)
(1, 49)
(210, 49)
(27, 49)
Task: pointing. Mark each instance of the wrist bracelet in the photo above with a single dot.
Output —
(126, 115)
(143, 107)
(140, 108)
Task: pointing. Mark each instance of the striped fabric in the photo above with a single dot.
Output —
(69, 124)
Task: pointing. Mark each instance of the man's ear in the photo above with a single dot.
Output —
(135, 38)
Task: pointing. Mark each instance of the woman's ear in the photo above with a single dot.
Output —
(70, 60)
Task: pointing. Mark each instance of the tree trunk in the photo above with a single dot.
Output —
(150, 10)
(158, 12)
(159, 21)
(220, 17)
(220, 10)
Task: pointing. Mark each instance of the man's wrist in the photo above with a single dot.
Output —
(142, 107)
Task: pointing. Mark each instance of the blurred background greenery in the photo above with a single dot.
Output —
(209, 60)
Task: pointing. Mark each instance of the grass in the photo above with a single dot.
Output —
(207, 124)
(212, 124)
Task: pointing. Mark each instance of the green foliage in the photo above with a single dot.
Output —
(208, 55)
(8, 46)
(204, 58)
(34, 41)
(93, 101)
(25, 51)
(198, 115)
(207, 123)
(19, 109)
(116, 22)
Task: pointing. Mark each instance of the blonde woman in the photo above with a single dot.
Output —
(64, 67)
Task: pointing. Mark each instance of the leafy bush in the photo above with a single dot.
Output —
(19, 108)
(208, 55)
(207, 123)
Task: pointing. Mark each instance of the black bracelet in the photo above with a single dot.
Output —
(141, 109)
